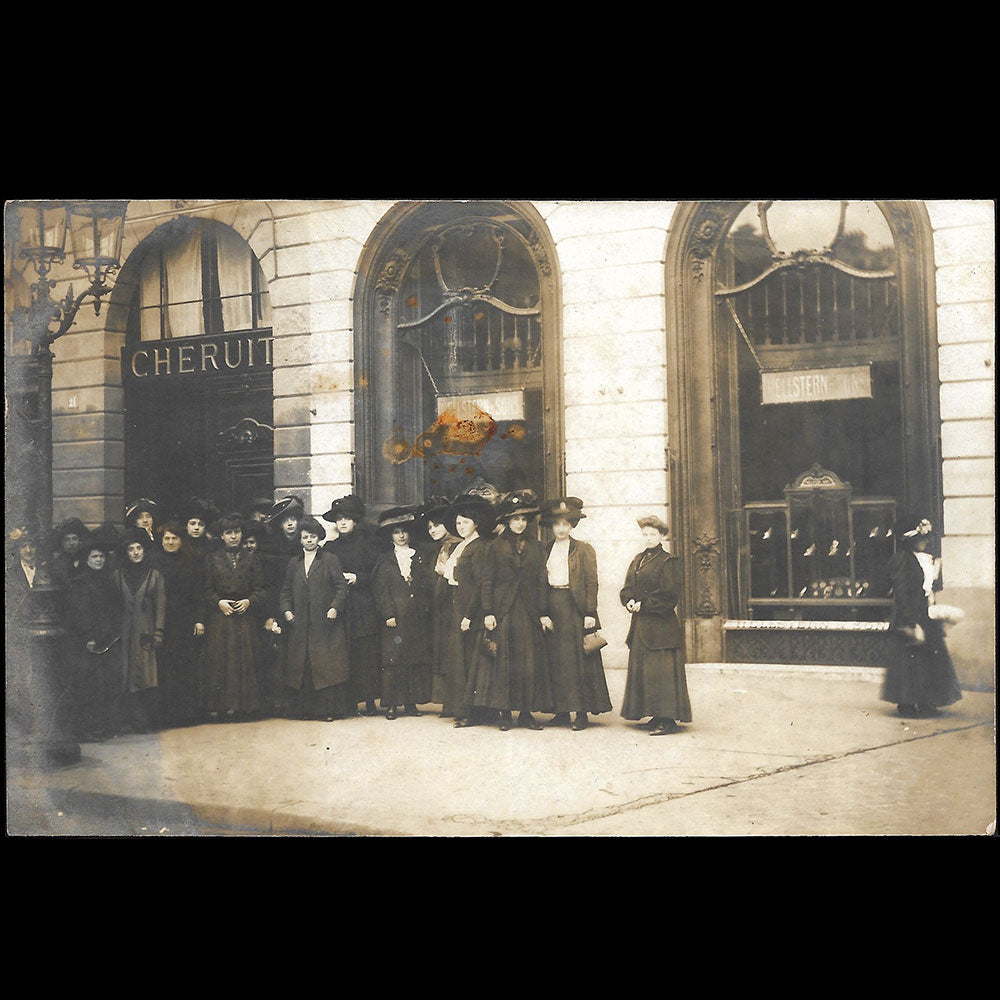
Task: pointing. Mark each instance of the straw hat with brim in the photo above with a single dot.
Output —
(397, 517)
(568, 508)
(136, 507)
(476, 509)
(349, 506)
(523, 503)
(650, 521)
(285, 507)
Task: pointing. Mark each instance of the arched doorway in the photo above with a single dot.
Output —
(803, 385)
(196, 368)
(457, 354)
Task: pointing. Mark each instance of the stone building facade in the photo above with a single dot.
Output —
(628, 399)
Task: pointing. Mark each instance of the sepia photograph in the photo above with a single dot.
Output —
(500, 518)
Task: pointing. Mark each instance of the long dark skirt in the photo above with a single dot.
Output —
(306, 702)
(366, 668)
(517, 678)
(656, 684)
(229, 665)
(177, 678)
(440, 630)
(922, 675)
(578, 681)
(99, 693)
(459, 653)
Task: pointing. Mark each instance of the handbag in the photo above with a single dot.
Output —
(489, 645)
(593, 642)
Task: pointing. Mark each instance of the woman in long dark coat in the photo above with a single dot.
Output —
(233, 588)
(357, 553)
(569, 610)
(920, 677)
(515, 676)
(142, 595)
(434, 516)
(94, 622)
(312, 603)
(178, 659)
(656, 684)
(401, 584)
(283, 544)
(472, 519)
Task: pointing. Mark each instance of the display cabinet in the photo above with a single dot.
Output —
(819, 553)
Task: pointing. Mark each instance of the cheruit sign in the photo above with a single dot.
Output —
(197, 355)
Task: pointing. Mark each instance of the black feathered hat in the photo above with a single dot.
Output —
(349, 506)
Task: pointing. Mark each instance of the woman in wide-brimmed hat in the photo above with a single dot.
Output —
(401, 585)
(233, 589)
(656, 684)
(142, 595)
(357, 552)
(569, 614)
(513, 675)
(311, 605)
(94, 630)
(432, 521)
(144, 514)
(198, 516)
(471, 519)
(920, 676)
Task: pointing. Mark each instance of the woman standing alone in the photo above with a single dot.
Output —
(656, 684)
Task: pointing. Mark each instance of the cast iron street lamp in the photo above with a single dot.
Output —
(37, 230)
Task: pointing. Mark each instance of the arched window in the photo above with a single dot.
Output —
(457, 374)
(197, 368)
(804, 404)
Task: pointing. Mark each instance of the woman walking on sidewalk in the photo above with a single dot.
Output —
(656, 684)
(920, 677)
(516, 676)
(569, 601)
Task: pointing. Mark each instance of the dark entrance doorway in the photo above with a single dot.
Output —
(199, 433)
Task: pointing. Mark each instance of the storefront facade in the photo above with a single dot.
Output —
(775, 380)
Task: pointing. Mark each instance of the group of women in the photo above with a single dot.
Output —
(457, 603)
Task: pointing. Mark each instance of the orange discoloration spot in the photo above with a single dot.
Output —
(412, 300)
(464, 430)
(517, 431)
(396, 449)
(363, 382)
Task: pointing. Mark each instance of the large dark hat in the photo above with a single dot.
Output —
(285, 507)
(105, 538)
(397, 517)
(570, 508)
(138, 506)
(487, 491)
(136, 535)
(200, 508)
(71, 526)
(477, 509)
(519, 502)
(436, 509)
(310, 524)
(262, 505)
(349, 506)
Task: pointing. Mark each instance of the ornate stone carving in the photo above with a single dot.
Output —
(538, 252)
(246, 433)
(708, 232)
(706, 548)
(391, 277)
(706, 606)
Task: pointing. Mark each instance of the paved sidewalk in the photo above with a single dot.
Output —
(771, 751)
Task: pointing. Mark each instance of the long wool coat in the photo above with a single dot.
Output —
(323, 640)
(144, 617)
(409, 643)
(658, 586)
